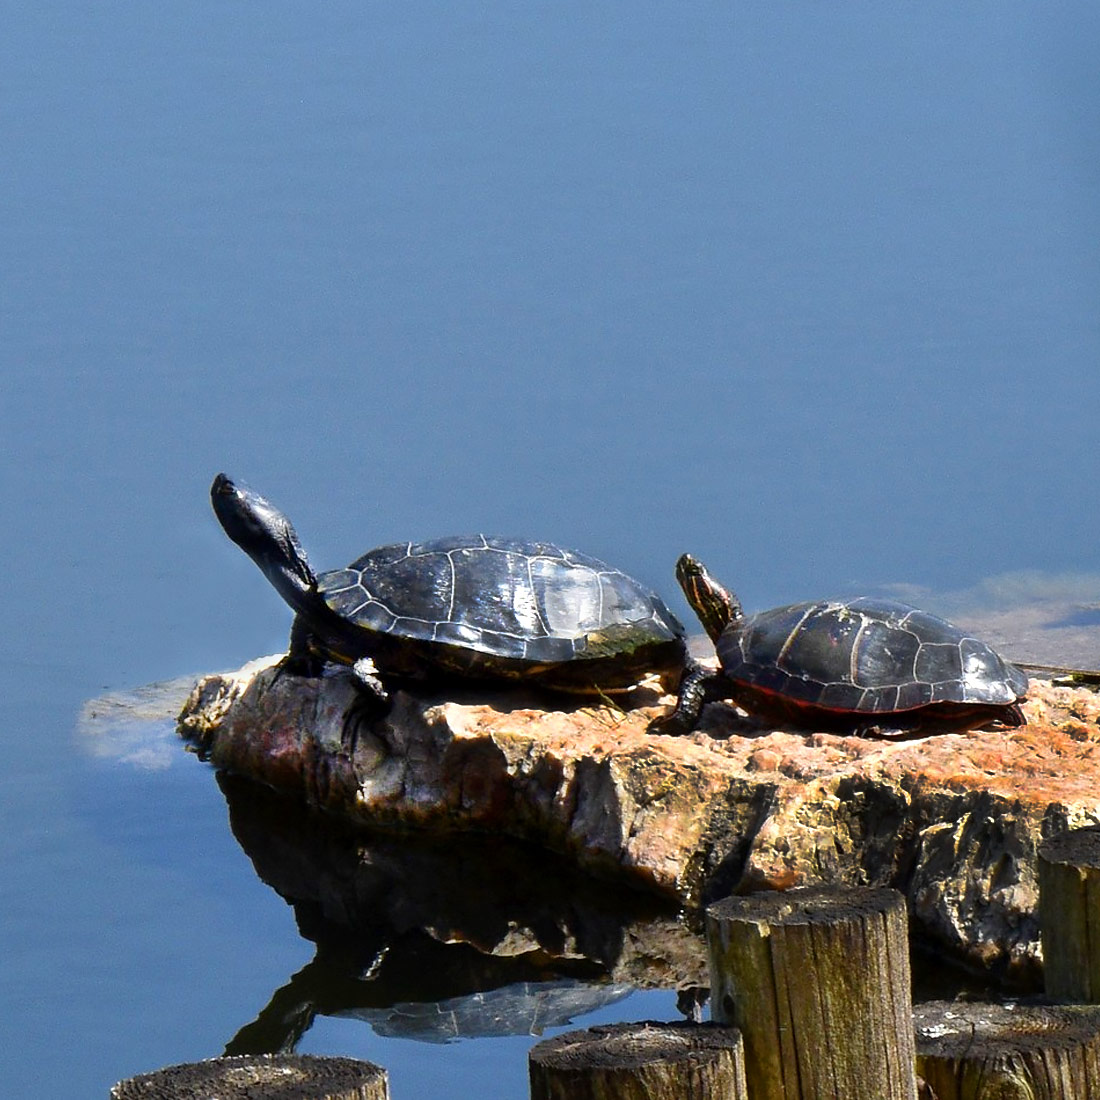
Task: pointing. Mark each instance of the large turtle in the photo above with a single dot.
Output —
(862, 665)
(474, 607)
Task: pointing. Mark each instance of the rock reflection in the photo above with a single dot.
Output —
(450, 937)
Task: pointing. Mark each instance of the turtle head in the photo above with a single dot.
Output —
(265, 535)
(716, 606)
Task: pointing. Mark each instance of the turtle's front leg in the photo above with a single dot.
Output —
(698, 685)
(366, 675)
(372, 701)
(302, 658)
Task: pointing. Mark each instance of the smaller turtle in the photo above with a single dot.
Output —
(871, 666)
(471, 607)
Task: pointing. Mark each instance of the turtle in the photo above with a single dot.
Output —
(863, 665)
(466, 607)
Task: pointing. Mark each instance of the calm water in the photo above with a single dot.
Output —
(808, 290)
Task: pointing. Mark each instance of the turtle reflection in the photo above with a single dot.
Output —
(446, 938)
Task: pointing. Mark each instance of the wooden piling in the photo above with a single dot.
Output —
(1008, 1051)
(287, 1076)
(817, 980)
(643, 1061)
(1069, 915)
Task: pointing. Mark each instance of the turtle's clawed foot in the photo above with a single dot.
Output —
(366, 672)
(298, 664)
(673, 724)
(696, 685)
(372, 702)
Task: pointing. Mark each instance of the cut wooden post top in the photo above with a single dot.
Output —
(808, 904)
(1081, 847)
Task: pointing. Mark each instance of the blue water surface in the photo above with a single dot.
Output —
(809, 290)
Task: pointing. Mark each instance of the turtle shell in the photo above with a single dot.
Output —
(481, 604)
(864, 656)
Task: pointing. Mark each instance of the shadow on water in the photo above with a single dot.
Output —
(1083, 617)
(448, 938)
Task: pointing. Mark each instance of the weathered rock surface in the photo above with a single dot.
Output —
(952, 820)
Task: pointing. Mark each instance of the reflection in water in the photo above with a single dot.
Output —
(446, 938)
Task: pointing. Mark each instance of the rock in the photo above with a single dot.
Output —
(135, 727)
(953, 820)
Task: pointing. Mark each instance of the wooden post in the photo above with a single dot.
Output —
(1069, 915)
(287, 1076)
(645, 1061)
(1007, 1051)
(817, 980)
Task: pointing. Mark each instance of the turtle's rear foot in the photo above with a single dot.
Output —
(672, 724)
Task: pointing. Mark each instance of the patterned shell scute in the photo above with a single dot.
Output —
(506, 597)
(865, 655)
